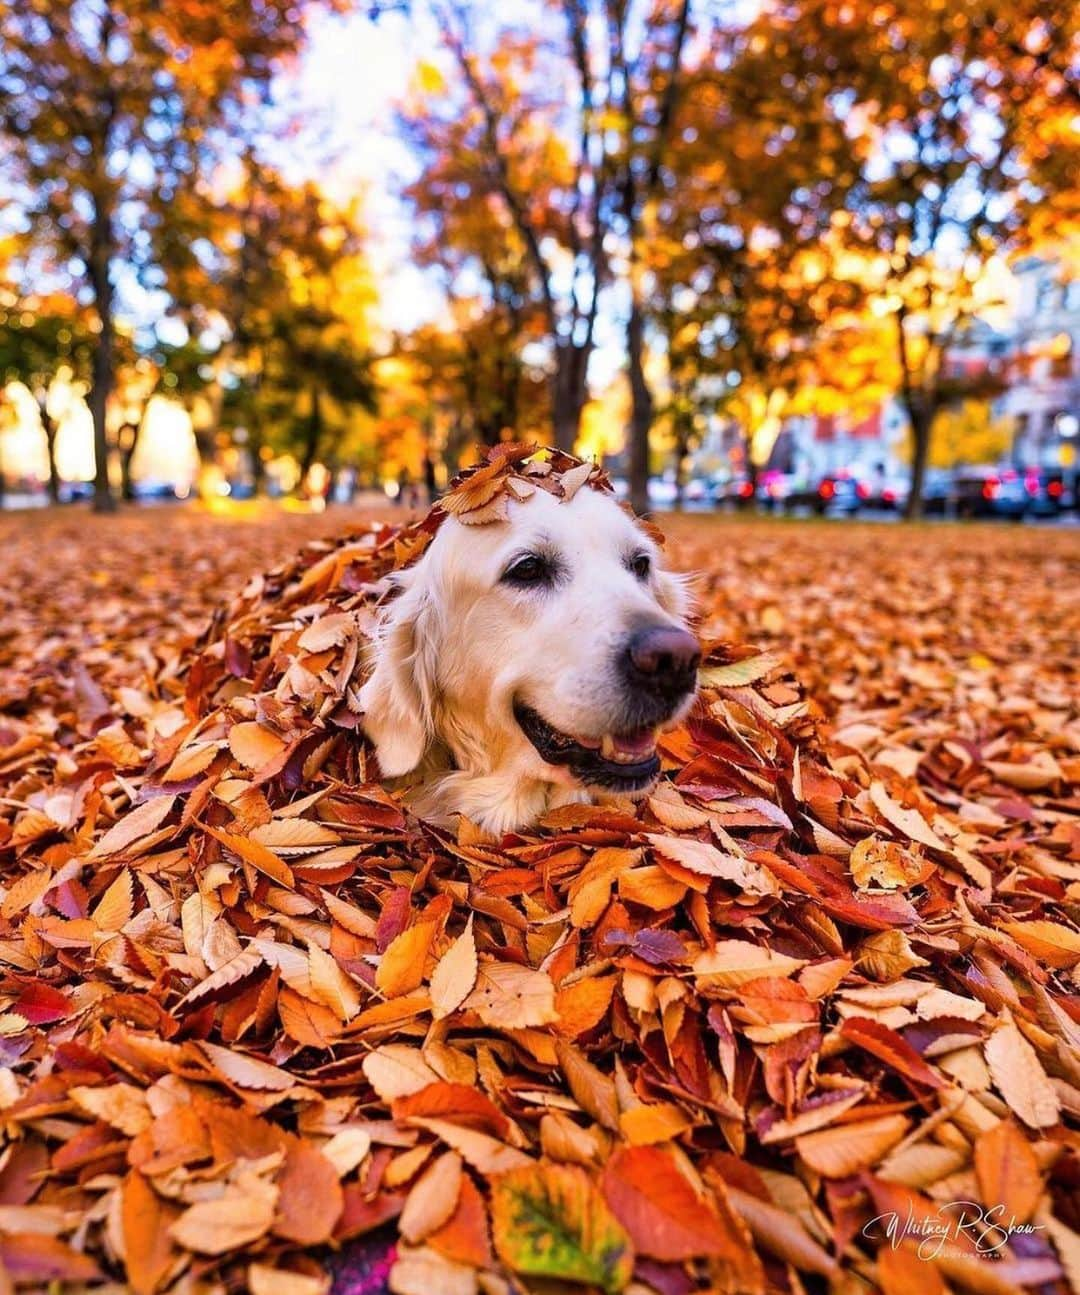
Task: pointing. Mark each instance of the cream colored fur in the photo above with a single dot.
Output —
(457, 645)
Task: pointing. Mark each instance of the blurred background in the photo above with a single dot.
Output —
(819, 256)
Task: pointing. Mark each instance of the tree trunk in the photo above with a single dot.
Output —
(565, 401)
(258, 463)
(48, 426)
(127, 453)
(102, 375)
(682, 453)
(641, 409)
(921, 420)
(314, 435)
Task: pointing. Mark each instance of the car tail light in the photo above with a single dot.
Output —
(826, 490)
(745, 490)
(862, 490)
(1031, 485)
(1055, 489)
(888, 496)
(991, 488)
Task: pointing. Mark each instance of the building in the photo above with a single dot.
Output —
(1043, 392)
(1029, 368)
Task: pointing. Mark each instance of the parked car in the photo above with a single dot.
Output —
(777, 490)
(154, 490)
(1046, 492)
(840, 492)
(889, 494)
(736, 492)
(990, 492)
(939, 493)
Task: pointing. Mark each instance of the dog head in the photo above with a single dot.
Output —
(543, 651)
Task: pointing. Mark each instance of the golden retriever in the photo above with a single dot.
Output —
(529, 662)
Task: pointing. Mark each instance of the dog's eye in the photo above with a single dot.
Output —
(641, 565)
(531, 569)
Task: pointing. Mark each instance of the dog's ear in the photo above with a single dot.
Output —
(398, 699)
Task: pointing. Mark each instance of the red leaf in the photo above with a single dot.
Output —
(888, 1046)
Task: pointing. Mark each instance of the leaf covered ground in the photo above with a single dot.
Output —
(253, 1015)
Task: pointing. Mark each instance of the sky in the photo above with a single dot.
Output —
(347, 84)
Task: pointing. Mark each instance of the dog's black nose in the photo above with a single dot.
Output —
(663, 659)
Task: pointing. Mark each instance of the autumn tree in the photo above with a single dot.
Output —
(740, 278)
(515, 142)
(275, 271)
(942, 121)
(966, 433)
(468, 241)
(638, 79)
(107, 108)
(41, 339)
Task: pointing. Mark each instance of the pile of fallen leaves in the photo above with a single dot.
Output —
(252, 1011)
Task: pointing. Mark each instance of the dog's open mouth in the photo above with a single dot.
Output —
(620, 761)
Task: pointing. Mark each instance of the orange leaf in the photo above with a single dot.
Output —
(257, 855)
(254, 746)
(145, 1220)
(665, 1215)
(1007, 1172)
(401, 968)
(311, 1200)
(464, 1237)
(310, 1024)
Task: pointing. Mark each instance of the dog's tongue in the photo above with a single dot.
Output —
(639, 745)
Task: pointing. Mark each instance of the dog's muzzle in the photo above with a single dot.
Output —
(657, 668)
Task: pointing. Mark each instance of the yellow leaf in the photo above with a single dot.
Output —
(454, 976)
(115, 907)
(660, 1122)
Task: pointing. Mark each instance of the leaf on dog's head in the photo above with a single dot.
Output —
(572, 481)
